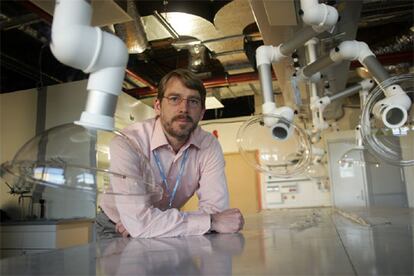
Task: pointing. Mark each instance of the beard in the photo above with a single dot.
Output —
(179, 131)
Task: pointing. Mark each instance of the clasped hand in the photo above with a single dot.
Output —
(228, 221)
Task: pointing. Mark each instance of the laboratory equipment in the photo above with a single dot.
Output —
(393, 108)
(103, 55)
(72, 163)
(390, 137)
(319, 18)
(272, 133)
(281, 158)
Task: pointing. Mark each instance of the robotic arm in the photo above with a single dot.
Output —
(103, 55)
(393, 109)
(320, 17)
(318, 105)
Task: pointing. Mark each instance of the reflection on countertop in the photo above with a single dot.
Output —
(317, 241)
(193, 255)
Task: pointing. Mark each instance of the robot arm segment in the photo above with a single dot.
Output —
(77, 44)
(321, 16)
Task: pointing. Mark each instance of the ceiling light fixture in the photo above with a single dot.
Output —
(213, 103)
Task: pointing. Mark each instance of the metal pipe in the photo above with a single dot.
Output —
(266, 82)
(208, 83)
(347, 92)
(140, 79)
(317, 66)
(166, 25)
(298, 40)
(376, 69)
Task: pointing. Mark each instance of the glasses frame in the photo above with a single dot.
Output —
(176, 100)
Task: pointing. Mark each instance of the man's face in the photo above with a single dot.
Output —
(179, 120)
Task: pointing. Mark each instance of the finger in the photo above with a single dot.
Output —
(125, 234)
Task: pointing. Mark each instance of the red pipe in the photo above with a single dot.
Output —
(208, 83)
(140, 79)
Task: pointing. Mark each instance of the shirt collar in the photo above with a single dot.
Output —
(158, 138)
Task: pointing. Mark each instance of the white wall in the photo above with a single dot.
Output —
(17, 125)
(64, 104)
(227, 131)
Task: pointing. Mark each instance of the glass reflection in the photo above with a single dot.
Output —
(192, 255)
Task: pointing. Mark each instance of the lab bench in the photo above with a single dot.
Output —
(33, 236)
(317, 241)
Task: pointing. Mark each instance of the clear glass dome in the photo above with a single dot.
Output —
(72, 159)
(390, 137)
(284, 157)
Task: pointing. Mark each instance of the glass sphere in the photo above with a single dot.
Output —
(390, 135)
(278, 152)
(70, 158)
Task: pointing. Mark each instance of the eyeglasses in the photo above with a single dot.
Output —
(176, 100)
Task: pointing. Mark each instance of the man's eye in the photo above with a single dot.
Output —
(194, 101)
(174, 99)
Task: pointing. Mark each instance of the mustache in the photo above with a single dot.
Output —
(183, 117)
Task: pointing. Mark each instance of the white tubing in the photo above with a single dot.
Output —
(77, 44)
(366, 84)
(351, 50)
(318, 106)
(311, 50)
(321, 16)
(393, 109)
(267, 54)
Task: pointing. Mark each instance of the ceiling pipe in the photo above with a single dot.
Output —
(140, 79)
(133, 32)
(208, 83)
(166, 25)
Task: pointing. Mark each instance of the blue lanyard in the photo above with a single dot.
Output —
(164, 178)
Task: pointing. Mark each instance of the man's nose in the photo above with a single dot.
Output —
(184, 105)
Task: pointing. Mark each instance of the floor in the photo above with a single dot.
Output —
(317, 241)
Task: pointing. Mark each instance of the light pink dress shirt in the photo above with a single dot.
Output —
(203, 173)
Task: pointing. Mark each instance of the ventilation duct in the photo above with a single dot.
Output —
(133, 32)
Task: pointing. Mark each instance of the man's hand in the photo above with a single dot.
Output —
(121, 230)
(228, 221)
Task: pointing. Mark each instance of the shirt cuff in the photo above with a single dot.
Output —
(198, 223)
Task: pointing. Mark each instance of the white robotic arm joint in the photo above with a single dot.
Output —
(321, 16)
(268, 54)
(350, 50)
(105, 56)
(393, 109)
(280, 123)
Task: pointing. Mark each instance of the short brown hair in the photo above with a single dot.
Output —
(188, 78)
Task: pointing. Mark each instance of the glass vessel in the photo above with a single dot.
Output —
(278, 157)
(394, 145)
(69, 166)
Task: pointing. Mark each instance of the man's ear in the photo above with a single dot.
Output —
(157, 107)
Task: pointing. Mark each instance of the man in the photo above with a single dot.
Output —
(185, 159)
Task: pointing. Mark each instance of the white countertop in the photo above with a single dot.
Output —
(295, 242)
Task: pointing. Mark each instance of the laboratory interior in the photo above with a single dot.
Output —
(312, 103)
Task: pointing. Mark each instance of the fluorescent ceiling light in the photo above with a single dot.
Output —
(213, 103)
